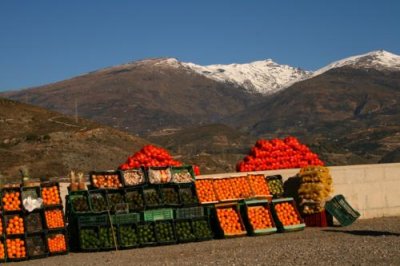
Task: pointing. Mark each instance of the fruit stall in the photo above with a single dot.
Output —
(152, 199)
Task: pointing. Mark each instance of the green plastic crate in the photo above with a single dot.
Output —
(217, 226)
(159, 214)
(339, 208)
(128, 218)
(287, 228)
(252, 203)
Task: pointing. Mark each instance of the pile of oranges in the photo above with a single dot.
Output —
(232, 188)
(242, 187)
(54, 218)
(2, 252)
(51, 196)
(286, 213)
(57, 243)
(205, 191)
(224, 189)
(1, 226)
(229, 221)
(11, 201)
(258, 185)
(15, 226)
(16, 248)
(259, 217)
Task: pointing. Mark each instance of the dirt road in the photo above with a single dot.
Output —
(367, 242)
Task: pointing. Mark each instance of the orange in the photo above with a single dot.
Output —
(229, 220)
(287, 214)
(54, 218)
(51, 195)
(205, 190)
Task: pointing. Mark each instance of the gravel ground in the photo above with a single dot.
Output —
(366, 242)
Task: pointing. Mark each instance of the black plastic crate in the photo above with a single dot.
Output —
(46, 188)
(184, 231)
(3, 225)
(78, 201)
(89, 239)
(1, 201)
(34, 222)
(93, 220)
(202, 228)
(3, 248)
(133, 177)
(11, 256)
(152, 197)
(170, 195)
(146, 234)
(6, 206)
(275, 185)
(247, 206)
(339, 208)
(188, 195)
(98, 201)
(165, 232)
(48, 215)
(33, 192)
(127, 236)
(7, 219)
(135, 200)
(189, 213)
(56, 250)
(108, 237)
(182, 174)
(159, 175)
(116, 201)
(36, 246)
(106, 175)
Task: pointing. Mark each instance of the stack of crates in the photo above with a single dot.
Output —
(138, 214)
(30, 234)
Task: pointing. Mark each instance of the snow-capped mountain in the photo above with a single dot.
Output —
(265, 76)
(381, 60)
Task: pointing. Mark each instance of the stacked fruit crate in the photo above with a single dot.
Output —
(32, 231)
(138, 207)
(246, 204)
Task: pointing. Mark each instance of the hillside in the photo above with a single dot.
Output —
(142, 96)
(355, 109)
(348, 111)
(215, 148)
(51, 144)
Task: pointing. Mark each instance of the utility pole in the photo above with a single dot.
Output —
(76, 111)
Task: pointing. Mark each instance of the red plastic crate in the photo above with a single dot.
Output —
(317, 219)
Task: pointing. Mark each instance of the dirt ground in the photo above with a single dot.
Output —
(366, 242)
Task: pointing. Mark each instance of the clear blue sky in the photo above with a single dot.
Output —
(47, 41)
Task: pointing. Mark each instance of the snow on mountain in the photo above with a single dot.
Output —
(381, 60)
(265, 76)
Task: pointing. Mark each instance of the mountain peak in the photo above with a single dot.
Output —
(265, 76)
(378, 59)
